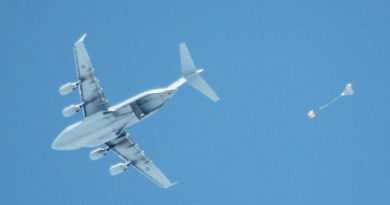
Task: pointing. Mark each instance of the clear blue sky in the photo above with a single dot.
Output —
(270, 61)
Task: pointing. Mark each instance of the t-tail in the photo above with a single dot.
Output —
(192, 75)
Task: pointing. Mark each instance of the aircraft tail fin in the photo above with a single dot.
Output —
(192, 74)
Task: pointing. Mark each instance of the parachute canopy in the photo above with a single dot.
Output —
(348, 90)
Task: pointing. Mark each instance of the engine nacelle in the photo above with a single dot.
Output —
(118, 168)
(71, 110)
(97, 153)
(68, 88)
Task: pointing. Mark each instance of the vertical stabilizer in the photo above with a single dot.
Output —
(187, 65)
(192, 74)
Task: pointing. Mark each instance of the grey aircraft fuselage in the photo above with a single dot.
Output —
(104, 126)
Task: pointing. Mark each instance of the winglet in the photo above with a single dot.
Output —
(82, 38)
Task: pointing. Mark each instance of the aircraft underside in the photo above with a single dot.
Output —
(104, 126)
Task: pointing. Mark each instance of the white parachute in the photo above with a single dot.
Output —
(348, 91)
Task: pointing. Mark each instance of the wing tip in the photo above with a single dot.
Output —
(81, 39)
(170, 185)
(182, 44)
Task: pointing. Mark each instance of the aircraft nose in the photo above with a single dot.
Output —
(64, 141)
(57, 144)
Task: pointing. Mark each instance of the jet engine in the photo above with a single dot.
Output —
(71, 110)
(118, 168)
(98, 153)
(68, 88)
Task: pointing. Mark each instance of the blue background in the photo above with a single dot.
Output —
(270, 61)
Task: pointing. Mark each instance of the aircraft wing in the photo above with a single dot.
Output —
(90, 90)
(129, 151)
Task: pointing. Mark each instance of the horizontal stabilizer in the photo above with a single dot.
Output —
(200, 84)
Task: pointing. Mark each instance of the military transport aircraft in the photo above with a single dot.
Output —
(105, 125)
